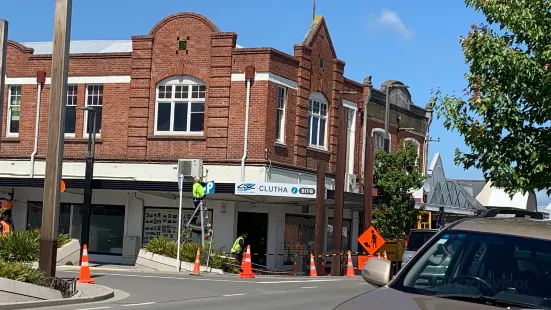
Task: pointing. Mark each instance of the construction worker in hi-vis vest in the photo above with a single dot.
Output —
(238, 247)
(198, 191)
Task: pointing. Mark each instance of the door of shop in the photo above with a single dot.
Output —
(256, 225)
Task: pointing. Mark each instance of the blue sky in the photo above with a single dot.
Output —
(416, 42)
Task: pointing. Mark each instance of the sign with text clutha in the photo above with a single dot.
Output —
(275, 189)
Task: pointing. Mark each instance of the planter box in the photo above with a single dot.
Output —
(151, 261)
(69, 254)
(15, 291)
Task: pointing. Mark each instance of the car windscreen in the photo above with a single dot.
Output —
(462, 264)
(418, 238)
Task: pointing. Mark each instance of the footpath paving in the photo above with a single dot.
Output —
(86, 293)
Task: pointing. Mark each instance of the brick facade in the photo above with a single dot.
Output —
(129, 109)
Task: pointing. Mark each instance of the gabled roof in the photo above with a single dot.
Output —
(313, 31)
(452, 195)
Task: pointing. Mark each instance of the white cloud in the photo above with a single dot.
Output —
(390, 19)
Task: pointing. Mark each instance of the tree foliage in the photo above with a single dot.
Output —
(396, 175)
(505, 113)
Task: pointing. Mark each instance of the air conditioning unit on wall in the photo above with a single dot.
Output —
(351, 183)
(190, 167)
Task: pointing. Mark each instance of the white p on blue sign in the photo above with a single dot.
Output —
(209, 188)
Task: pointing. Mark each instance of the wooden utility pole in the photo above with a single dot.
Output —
(320, 228)
(339, 191)
(56, 132)
(3, 51)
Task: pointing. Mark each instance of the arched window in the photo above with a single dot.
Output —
(317, 120)
(378, 139)
(180, 106)
(416, 144)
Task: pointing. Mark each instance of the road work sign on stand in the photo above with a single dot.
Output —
(371, 240)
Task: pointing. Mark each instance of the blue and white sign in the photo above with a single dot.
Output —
(210, 188)
(275, 189)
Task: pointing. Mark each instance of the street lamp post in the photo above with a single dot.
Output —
(88, 176)
(387, 114)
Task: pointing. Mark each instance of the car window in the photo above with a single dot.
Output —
(482, 264)
(417, 239)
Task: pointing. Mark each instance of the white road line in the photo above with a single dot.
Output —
(309, 287)
(230, 295)
(296, 281)
(97, 308)
(140, 304)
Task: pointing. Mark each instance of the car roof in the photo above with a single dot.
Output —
(522, 227)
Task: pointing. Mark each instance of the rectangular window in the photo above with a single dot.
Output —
(180, 109)
(71, 110)
(94, 99)
(280, 127)
(14, 109)
(317, 120)
(378, 140)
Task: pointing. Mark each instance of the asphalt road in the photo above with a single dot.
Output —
(139, 290)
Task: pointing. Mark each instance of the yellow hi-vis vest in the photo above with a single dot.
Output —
(236, 248)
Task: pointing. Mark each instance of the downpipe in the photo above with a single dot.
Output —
(40, 79)
(246, 139)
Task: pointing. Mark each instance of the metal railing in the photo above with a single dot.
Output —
(67, 287)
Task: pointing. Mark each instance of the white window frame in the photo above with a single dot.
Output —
(351, 106)
(181, 80)
(319, 97)
(70, 134)
(418, 144)
(98, 135)
(382, 131)
(8, 118)
(281, 129)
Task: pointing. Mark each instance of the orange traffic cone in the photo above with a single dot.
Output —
(322, 270)
(384, 255)
(313, 272)
(247, 265)
(197, 264)
(349, 266)
(84, 276)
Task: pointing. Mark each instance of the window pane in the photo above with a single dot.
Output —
(197, 121)
(310, 105)
(90, 115)
(279, 121)
(14, 119)
(316, 109)
(71, 95)
(323, 109)
(70, 119)
(322, 132)
(34, 216)
(308, 130)
(106, 228)
(202, 91)
(180, 116)
(181, 92)
(163, 116)
(315, 125)
(197, 107)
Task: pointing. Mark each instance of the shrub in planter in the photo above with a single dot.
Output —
(21, 272)
(188, 251)
(24, 246)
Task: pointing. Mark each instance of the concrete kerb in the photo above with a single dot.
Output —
(77, 299)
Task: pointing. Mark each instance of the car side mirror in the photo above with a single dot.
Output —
(376, 271)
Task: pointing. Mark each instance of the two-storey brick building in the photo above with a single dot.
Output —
(180, 92)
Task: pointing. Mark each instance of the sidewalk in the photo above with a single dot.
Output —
(86, 293)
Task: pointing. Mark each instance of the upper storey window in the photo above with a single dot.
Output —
(180, 106)
(317, 121)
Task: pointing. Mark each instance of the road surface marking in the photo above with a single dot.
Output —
(309, 287)
(140, 304)
(296, 281)
(230, 295)
(97, 308)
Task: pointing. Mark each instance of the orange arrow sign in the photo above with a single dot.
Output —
(371, 240)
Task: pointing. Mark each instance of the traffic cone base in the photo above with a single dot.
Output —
(247, 265)
(84, 275)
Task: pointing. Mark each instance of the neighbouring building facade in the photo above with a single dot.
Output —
(173, 101)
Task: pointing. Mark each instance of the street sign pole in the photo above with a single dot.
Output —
(180, 189)
(202, 224)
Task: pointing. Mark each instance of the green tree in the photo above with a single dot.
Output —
(396, 175)
(505, 112)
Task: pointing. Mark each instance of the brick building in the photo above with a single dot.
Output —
(180, 93)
